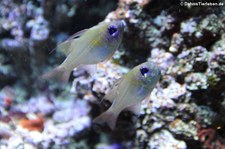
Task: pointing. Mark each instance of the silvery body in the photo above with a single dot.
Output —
(129, 91)
(88, 47)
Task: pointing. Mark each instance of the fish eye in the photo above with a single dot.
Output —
(112, 30)
(144, 71)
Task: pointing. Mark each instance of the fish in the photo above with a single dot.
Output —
(129, 91)
(87, 48)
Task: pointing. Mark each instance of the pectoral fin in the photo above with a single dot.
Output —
(112, 95)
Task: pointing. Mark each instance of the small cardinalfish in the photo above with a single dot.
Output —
(88, 48)
(129, 91)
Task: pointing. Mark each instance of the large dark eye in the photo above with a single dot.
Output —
(144, 71)
(112, 30)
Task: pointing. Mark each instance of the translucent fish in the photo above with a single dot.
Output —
(88, 47)
(129, 91)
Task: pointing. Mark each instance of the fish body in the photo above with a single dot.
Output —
(88, 47)
(128, 93)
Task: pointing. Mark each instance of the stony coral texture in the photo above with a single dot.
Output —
(187, 43)
(185, 110)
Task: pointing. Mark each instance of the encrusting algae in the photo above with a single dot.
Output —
(88, 47)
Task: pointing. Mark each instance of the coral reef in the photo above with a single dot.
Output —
(29, 123)
(185, 110)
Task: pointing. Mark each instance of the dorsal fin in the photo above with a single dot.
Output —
(77, 34)
(64, 46)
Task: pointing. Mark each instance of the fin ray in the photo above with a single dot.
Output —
(112, 94)
(65, 46)
(77, 34)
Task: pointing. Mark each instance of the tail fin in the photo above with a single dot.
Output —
(109, 117)
(58, 74)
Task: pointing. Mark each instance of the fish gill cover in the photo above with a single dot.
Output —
(185, 39)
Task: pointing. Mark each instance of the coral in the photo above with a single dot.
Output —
(4, 131)
(162, 102)
(185, 110)
(209, 28)
(189, 130)
(163, 59)
(177, 43)
(164, 139)
(196, 81)
(39, 104)
(216, 70)
(191, 60)
(205, 116)
(58, 122)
